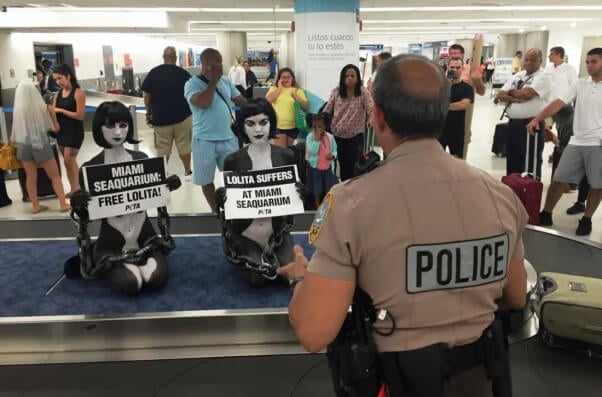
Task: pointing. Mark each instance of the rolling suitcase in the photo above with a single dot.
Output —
(500, 138)
(527, 186)
(569, 308)
(44, 185)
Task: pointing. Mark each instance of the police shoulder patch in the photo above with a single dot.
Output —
(321, 214)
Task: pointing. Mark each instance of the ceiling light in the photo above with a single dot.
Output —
(542, 28)
(225, 22)
(482, 8)
(243, 29)
(245, 10)
(573, 24)
(521, 31)
(454, 20)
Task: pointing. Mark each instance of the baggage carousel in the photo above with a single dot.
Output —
(208, 321)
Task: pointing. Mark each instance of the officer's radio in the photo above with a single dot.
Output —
(352, 356)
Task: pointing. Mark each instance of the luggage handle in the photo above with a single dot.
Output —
(534, 170)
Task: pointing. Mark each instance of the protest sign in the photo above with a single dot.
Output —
(124, 188)
(262, 194)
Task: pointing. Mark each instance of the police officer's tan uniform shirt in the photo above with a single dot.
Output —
(422, 207)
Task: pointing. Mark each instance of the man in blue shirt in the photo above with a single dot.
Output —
(209, 96)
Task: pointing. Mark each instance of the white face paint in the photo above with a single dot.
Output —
(257, 128)
(115, 134)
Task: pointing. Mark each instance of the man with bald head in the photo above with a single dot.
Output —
(526, 94)
(435, 242)
(210, 96)
(167, 110)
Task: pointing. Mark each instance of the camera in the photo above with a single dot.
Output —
(450, 74)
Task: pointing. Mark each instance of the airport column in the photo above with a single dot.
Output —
(326, 39)
(231, 45)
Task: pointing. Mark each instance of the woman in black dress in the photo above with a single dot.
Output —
(70, 106)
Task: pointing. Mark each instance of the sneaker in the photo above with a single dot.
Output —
(585, 227)
(188, 176)
(545, 219)
(577, 208)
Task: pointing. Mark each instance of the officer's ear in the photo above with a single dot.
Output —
(378, 119)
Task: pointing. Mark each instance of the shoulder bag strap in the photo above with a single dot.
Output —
(206, 81)
(521, 85)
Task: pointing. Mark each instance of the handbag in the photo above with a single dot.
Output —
(8, 157)
(300, 120)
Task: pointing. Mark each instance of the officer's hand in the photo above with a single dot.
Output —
(533, 126)
(79, 200)
(295, 269)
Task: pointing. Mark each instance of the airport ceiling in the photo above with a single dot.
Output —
(383, 21)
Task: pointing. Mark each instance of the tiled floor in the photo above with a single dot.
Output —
(189, 198)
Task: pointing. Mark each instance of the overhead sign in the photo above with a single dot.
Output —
(262, 194)
(123, 188)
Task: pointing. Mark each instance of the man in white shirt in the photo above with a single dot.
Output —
(526, 94)
(583, 155)
(563, 77)
(238, 76)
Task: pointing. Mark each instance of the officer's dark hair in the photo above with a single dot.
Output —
(595, 51)
(558, 51)
(518, 53)
(385, 55)
(357, 91)
(107, 114)
(252, 108)
(414, 103)
(208, 53)
(65, 70)
(456, 47)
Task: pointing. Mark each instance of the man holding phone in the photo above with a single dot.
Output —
(462, 95)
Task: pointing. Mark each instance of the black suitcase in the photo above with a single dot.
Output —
(44, 184)
(500, 140)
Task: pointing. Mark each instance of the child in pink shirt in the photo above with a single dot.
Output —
(321, 154)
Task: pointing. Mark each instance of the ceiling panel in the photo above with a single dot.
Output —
(385, 26)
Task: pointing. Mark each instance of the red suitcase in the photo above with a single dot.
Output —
(527, 186)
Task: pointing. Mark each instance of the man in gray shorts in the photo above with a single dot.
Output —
(583, 155)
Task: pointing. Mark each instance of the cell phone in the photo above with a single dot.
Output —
(450, 74)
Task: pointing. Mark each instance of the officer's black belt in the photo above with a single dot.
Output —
(455, 360)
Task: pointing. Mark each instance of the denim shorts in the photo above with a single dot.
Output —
(206, 155)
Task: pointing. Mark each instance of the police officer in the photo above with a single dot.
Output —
(434, 241)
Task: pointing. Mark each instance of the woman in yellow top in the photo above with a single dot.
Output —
(283, 96)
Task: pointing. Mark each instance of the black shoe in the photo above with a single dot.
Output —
(5, 203)
(585, 227)
(545, 219)
(577, 208)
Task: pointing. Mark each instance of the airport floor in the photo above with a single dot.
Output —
(189, 198)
